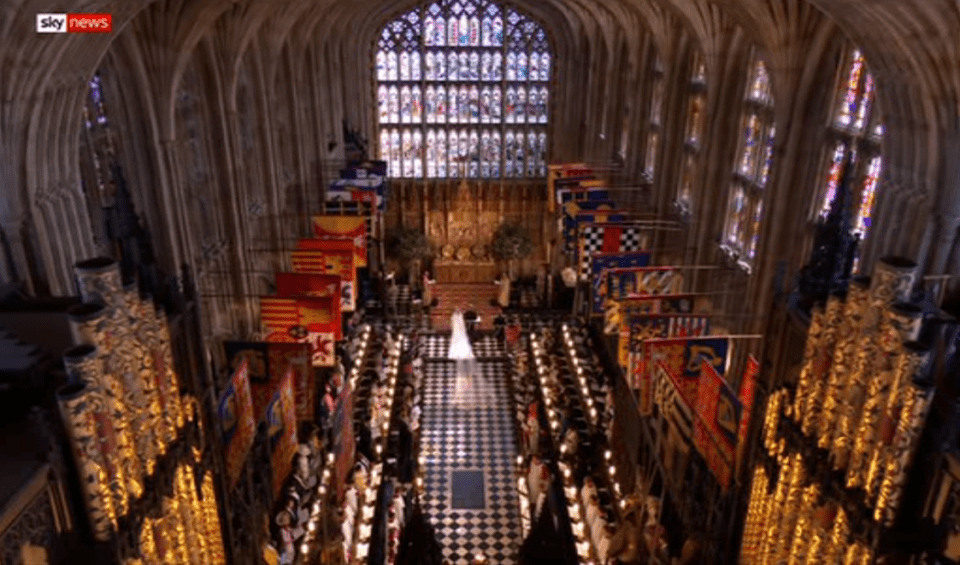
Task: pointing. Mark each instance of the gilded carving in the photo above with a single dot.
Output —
(35, 526)
(90, 432)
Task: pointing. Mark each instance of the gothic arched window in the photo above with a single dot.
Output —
(693, 131)
(654, 118)
(855, 127)
(463, 75)
(752, 168)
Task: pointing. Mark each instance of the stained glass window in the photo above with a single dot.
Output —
(696, 100)
(695, 119)
(858, 129)
(653, 120)
(868, 195)
(850, 93)
(650, 162)
(443, 66)
(753, 167)
(656, 103)
(835, 170)
(760, 87)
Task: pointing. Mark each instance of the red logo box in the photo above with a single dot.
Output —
(89, 23)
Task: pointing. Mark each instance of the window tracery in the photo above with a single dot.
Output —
(752, 169)
(463, 91)
(654, 119)
(696, 102)
(857, 127)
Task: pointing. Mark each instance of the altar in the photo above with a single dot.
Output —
(469, 271)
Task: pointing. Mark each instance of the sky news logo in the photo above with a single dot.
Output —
(74, 23)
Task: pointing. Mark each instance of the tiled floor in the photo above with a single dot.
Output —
(475, 433)
(486, 347)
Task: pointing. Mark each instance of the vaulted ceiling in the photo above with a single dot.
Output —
(911, 48)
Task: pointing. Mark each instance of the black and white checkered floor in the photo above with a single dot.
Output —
(435, 347)
(470, 429)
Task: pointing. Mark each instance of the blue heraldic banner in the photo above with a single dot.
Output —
(572, 213)
(353, 192)
(599, 263)
(710, 350)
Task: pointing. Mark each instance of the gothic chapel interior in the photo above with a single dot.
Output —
(480, 282)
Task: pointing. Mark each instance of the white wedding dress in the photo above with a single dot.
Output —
(461, 352)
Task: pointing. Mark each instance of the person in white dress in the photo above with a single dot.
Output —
(461, 352)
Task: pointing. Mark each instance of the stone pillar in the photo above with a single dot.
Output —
(947, 209)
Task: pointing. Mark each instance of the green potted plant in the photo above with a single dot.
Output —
(511, 243)
(407, 246)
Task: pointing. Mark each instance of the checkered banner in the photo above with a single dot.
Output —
(575, 213)
(607, 238)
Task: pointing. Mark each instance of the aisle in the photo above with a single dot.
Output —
(467, 453)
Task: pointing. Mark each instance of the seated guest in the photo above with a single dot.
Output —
(499, 325)
(594, 521)
(570, 441)
(589, 491)
(599, 530)
(534, 483)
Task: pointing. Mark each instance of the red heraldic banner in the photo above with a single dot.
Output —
(344, 228)
(237, 421)
(302, 320)
(748, 388)
(290, 285)
(669, 353)
(296, 357)
(682, 357)
(319, 257)
(282, 432)
(717, 423)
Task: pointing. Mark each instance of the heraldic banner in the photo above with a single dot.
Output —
(748, 387)
(566, 171)
(296, 357)
(600, 262)
(331, 257)
(344, 228)
(281, 420)
(268, 365)
(643, 281)
(290, 285)
(718, 423)
(303, 320)
(237, 423)
(681, 357)
(263, 382)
